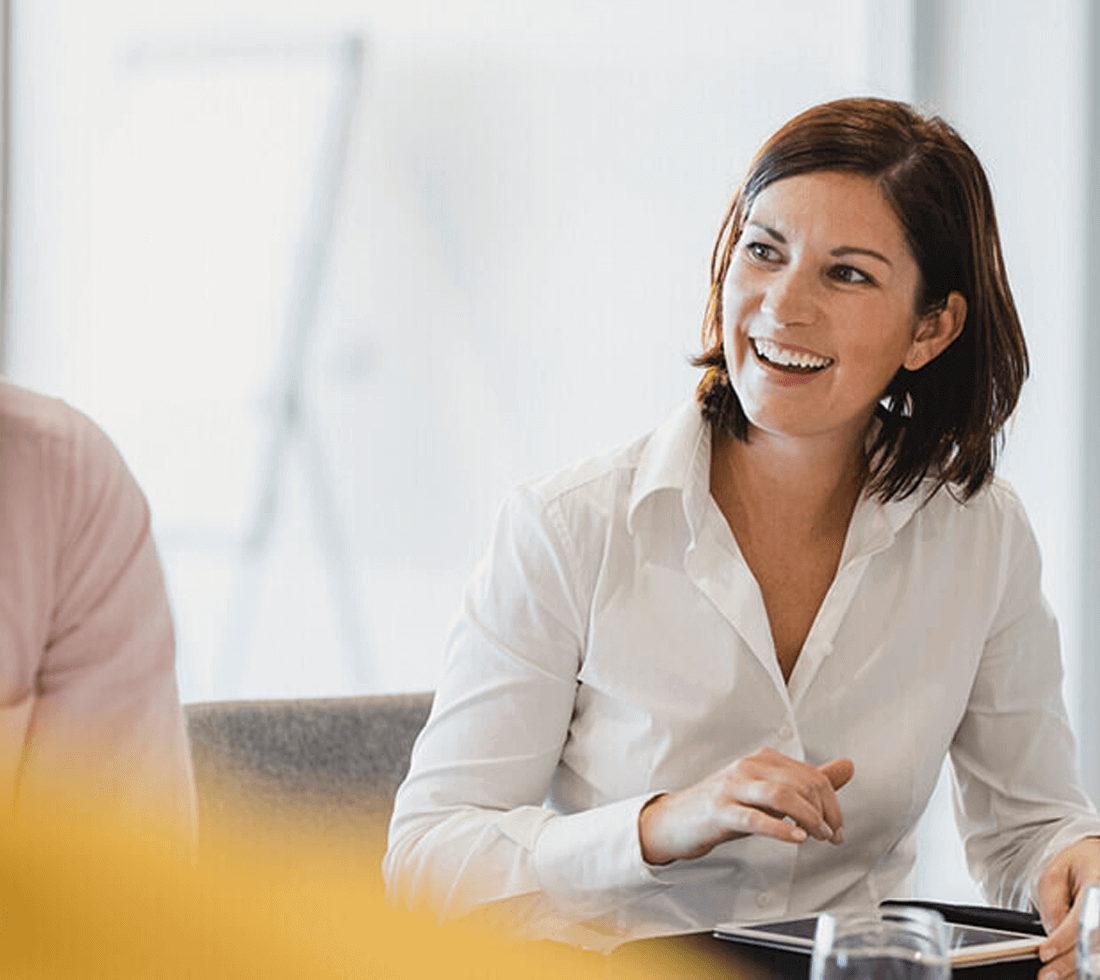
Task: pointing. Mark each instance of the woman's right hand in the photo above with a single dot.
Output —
(764, 793)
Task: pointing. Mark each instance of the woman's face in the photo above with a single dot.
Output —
(819, 306)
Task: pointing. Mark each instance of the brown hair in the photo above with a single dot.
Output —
(944, 420)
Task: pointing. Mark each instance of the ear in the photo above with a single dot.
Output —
(935, 332)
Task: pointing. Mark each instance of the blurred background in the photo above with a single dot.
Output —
(334, 275)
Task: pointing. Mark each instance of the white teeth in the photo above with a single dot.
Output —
(788, 358)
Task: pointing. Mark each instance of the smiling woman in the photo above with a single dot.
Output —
(815, 313)
(916, 185)
(713, 676)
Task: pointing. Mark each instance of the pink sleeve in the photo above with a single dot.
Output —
(106, 712)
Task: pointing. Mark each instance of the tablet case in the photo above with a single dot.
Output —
(768, 964)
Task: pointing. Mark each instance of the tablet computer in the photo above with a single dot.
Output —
(969, 944)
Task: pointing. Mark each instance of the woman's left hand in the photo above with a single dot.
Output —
(1061, 891)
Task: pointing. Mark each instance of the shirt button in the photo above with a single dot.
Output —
(786, 732)
(763, 900)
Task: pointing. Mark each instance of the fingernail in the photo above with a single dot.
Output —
(1048, 975)
(799, 834)
(825, 831)
(838, 835)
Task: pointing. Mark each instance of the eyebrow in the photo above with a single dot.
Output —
(853, 250)
(836, 252)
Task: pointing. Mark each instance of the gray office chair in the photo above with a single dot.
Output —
(326, 766)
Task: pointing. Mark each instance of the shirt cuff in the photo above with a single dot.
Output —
(592, 860)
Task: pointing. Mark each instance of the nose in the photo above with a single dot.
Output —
(790, 298)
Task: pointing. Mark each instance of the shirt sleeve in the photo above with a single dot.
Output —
(1018, 794)
(471, 825)
(106, 718)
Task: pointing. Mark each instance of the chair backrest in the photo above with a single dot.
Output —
(326, 765)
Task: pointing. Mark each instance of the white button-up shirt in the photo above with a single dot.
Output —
(614, 644)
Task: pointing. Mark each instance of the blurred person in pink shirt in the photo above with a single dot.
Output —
(89, 704)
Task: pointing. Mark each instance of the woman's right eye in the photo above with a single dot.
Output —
(762, 251)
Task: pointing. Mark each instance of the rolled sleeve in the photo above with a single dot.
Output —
(472, 824)
(1018, 792)
(592, 861)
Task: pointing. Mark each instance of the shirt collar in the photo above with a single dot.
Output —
(676, 457)
(875, 524)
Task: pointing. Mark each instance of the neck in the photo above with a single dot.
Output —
(804, 485)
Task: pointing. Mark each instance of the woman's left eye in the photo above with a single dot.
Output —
(850, 274)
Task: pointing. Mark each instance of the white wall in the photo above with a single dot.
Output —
(1011, 76)
(518, 278)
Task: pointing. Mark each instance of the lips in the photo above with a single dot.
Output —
(788, 358)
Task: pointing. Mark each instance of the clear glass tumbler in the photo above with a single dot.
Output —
(898, 943)
(1088, 936)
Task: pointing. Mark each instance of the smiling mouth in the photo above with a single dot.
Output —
(785, 359)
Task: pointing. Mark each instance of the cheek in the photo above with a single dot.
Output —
(883, 339)
(734, 342)
(736, 313)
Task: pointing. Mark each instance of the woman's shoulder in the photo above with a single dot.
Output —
(659, 456)
(588, 478)
(574, 515)
(992, 518)
(573, 508)
(996, 499)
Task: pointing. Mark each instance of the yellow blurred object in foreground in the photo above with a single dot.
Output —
(84, 897)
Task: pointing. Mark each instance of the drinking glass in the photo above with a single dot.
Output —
(898, 943)
(1088, 936)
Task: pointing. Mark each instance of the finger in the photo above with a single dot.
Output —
(787, 787)
(828, 803)
(751, 820)
(824, 819)
(838, 771)
(1054, 897)
(1061, 968)
(1062, 939)
(1060, 942)
(785, 800)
